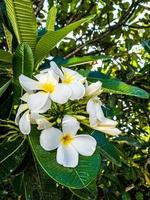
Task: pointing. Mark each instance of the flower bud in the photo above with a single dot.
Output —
(94, 89)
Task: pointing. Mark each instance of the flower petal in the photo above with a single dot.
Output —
(50, 138)
(93, 89)
(56, 69)
(70, 125)
(21, 109)
(41, 121)
(108, 123)
(76, 75)
(24, 123)
(67, 156)
(38, 101)
(108, 130)
(61, 93)
(94, 109)
(84, 144)
(77, 90)
(28, 84)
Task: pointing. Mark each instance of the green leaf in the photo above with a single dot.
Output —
(51, 38)
(89, 192)
(107, 149)
(23, 20)
(111, 85)
(9, 38)
(127, 140)
(76, 178)
(11, 155)
(4, 87)
(51, 18)
(83, 60)
(38, 185)
(23, 63)
(5, 56)
(146, 45)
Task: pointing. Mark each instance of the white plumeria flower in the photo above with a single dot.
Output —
(94, 89)
(72, 79)
(97, 119)
(47, 88)
(24, 118)
(68, 144)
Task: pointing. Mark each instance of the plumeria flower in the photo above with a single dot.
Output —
(68, 144)
(97, 119)
(47, 88)
(72, 79)
(24, 118)
(94, 89)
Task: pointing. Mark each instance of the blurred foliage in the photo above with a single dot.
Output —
(120, 29)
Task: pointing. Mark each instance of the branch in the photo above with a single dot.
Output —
(110, 29)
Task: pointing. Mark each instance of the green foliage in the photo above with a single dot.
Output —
(51, 38)
(83, 60)
(23, 63)
(23, 21)
(107, 149)
(115, 31)
(11, 155)
(116, 86)
(77, 178)
(4, 87)
(51, 18)
(5, 56)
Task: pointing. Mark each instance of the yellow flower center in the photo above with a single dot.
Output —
(68, 78)
(66, 139)
(47, 87)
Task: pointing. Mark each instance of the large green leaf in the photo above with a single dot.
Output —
(23, 20)
(146, 45)
(111, 85)
(4, 87)
(89, 192)
(76, 178)
(23, 63)
(81, 60)
(107, 149)
(51, 18)
(38, 185)
(11, 155)
(51, 38)
(5, 56)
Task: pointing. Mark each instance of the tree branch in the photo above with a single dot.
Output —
(110, 29)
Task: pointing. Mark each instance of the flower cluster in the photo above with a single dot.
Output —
(59, 101)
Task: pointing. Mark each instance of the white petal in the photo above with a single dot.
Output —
(25, 97)
(46, 107)
(24, 123)
(108, 123)
(75, 74)
(61, 93)
(70, 125)
(84, 144)
(28, 84)
(21, 109)
(48, 77)
(94, 108)
(37, 101)
(41, 121)
(67, 156)
(50, 138)
(108, 130)
(93, 89)
(77, 90)
(56, 69)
